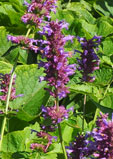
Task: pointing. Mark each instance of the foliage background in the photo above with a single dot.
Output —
(86, 18)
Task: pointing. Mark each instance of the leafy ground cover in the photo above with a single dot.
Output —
(56, 79)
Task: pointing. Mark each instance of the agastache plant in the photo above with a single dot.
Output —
(57, 71)
(95, 144)
(89, 61)
(56, 66)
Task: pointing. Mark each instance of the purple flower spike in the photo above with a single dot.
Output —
(38, 146)
(81, 147)
(55, 115)
(105, 141)
(45, 143)
(89, 61)
(38, 8)
(4, 86)
(56, 68)
(25, 42)
(31, 19)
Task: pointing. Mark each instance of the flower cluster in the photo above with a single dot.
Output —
(27, 43)
(81, 147)
(56, 68)
(96, 144)
(55, 115)
(37, 10)
(103, 136)
(4, 84)
(31, 18)
(47, 141)
(89, 61)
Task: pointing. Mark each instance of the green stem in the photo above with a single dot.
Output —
(69, 2)
(37, 156)
(6, 110)
(84, 105)
(95, 118)
(62, 142)
(60, 133)
(7, 103)
(28, 32)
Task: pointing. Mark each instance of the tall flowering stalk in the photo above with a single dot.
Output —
(57, 71)
(88, 62)
(56, 68)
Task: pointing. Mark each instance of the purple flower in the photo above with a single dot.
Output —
(81, 147)
(56, 68)
(56, 115)
(41, 7)
(96, 144)
(48, 128)
(103, 136)
(45, 143)
(89, 61)
(30, 18)
(37, 10)
(38, 147)
(1, 112)
(4, 86)
(25, 42)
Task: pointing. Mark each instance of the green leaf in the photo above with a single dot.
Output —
(67, 133)
(6, 155)
(108, 46)
(16, 141)
(5, 67)
(103, 76)
(9, 50)
(107, 60)
(34, 95)
(104, 28)
(82, 11)
(12, 12)
(104, 7)
(90, 28)
(104, 109)
(48, 156)
(107, 101)
(4, 45)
